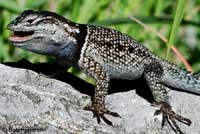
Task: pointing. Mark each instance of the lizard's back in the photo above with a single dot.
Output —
(120, 55)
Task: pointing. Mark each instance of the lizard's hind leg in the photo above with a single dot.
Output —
(152, 73)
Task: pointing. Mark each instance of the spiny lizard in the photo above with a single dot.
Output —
(102, 53)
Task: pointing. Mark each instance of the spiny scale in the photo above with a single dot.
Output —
(119, 54)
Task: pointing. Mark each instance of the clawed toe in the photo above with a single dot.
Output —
(114, 114)
(99, 114)
(170, 116)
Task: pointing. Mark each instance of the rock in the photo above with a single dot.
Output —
(31, 102)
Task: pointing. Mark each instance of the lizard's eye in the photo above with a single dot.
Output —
(30, 21)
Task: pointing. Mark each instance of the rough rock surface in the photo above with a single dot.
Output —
(30, 102)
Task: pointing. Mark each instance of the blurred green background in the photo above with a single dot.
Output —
(158, 14)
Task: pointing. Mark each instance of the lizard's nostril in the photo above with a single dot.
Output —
(9, 26)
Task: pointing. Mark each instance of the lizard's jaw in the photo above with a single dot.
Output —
(21, 36)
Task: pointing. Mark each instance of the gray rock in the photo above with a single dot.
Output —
(30, 102)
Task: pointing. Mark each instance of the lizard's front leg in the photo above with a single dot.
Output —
(152, 73)
(94, 69)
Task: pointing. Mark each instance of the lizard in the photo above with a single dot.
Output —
(103, 53)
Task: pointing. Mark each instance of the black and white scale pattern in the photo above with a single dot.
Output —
(117, 53)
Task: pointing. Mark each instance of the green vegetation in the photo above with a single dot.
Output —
(164, 16)
(177, 20)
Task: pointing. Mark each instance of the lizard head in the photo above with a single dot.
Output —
(42, 32)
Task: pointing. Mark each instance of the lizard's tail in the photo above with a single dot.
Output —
(181, 79)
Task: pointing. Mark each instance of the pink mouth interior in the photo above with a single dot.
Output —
(21, 36)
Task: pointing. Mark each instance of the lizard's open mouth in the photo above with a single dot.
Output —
(21, 36)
